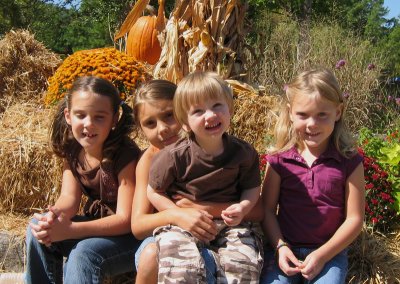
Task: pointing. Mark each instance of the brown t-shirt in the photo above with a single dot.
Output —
(183, 168)
(101, 183)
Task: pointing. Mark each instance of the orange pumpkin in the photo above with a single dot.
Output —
(142, 42)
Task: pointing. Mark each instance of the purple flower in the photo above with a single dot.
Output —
(371, 66)
(346, 95)
(390, 98)
(340, 63)
(285, 87)
(398, 101)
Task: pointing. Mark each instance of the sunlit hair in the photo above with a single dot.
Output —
(152, 91)
(307, 83)
(196, 88)
(62, 140)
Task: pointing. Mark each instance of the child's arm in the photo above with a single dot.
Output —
(270, 197)
(144, 220)
(216, 208)
(68, 202)
(117, 224)
(159, 200)
(347, 232)
(234, 214)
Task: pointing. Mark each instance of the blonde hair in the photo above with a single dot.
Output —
(324, 82)
(198, 87)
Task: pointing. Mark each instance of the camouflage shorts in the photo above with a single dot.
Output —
(237, 251)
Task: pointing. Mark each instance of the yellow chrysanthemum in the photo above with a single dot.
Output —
(122, 70)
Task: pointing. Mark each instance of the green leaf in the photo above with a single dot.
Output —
(391, 154)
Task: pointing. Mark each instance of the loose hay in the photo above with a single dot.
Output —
(374, 258)
(25, 66)
(30, 174)
(254, 116)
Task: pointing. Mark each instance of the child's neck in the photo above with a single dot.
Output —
(212, 147)
(310, 155)
(91, 159)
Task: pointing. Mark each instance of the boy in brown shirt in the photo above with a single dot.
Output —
(209, 167)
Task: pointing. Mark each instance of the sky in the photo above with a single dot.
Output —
(394, 8)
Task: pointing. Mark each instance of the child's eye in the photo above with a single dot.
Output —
(301, 115)
(149, 123)
(169, 116)
(197, 111)
(99, 117)
(322, 114)
(80, 115)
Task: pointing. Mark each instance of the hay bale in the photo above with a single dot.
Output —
(254, 115)
(374, 258)
(25, 66)
(30, 174)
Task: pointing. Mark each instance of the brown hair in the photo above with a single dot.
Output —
(62, 140)
(151, 91)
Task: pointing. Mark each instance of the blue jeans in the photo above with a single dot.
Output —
(211, 267)
(334, 271)
(88, 260)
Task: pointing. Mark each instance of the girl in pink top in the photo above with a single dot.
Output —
(315, 178)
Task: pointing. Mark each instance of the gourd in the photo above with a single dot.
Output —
(142, 42)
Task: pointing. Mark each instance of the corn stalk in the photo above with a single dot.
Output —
(202, 35)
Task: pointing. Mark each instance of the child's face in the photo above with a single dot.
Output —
(313, 119)
(208, 120)
(91, 118)
(158, 123)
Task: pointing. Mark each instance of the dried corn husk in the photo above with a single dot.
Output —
(202, 35)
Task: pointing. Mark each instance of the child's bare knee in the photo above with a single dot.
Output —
(149, 254)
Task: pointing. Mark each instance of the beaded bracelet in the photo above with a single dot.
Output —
(282, 244)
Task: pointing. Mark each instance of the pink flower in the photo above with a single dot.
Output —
(390, 98)
(374, 201)
(371, 66)
(346, 95)
(285, 86)
(340, 63)
(398, 101)
(374, 220)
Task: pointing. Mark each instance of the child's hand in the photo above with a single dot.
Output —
(233, 215)
(198, 222)
(60, 228)
(288, 262)
(312, 265)
(40, 230)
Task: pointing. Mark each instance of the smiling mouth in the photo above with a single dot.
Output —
(213, 125)
(89, 135)
(313, 134)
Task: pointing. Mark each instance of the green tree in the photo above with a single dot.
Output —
(10, 16)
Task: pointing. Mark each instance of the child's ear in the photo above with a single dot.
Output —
(67, 116)
(339, 111)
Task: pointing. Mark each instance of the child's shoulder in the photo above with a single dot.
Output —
(178, 148)
(236, 142)
(129, 148)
